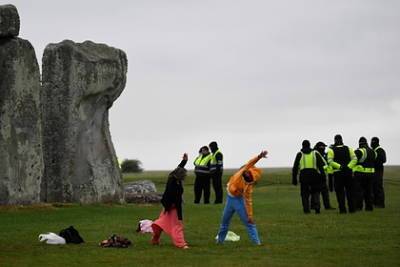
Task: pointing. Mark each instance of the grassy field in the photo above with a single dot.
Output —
(290, 238)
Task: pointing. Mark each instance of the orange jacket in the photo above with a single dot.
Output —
(237, 186)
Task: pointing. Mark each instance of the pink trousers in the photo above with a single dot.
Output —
(169, 223)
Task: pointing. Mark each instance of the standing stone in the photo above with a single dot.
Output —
(9, 21)
(21, 159)
(80, 83)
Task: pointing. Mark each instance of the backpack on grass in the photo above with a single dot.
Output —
(71, 235)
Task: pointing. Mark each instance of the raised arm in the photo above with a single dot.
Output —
(184, 161)
(254, 160)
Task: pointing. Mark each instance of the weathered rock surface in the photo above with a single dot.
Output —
(141, 192)
(9, 21)
(21, 159)
(143, 198)
(140, 187)
(80, 82)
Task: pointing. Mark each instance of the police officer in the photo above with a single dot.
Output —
(311, 166)
(320, 148)
(377, 184)
(216, 169)
(339, 156)
(202, 172)
(364, 172)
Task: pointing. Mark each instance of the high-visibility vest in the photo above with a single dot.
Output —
(335, 166)
(308, 161)
(214, 163)
(201, 164)
(364, 164)
(327, 168)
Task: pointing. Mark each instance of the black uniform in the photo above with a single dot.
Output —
(363, 180)
(377, 184)
(216, 177)
(310, 181)
(343, 179)
(202, 184)
(324, 187)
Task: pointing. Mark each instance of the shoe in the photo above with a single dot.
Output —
(317, 211)
(306, 212)
(185, 247)
(343, 212)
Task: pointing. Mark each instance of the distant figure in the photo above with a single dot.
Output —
(170, 220)
(239, 199)
(216, 169)
(202, 172)
(364, 172)
(320, 148)
(311, 166)
(339, 156)
(377, 184)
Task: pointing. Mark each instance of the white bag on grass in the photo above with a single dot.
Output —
(52, 239)
(145, 226)
(230, 236)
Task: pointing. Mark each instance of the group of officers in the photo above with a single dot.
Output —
(355, 175)
(208, 166)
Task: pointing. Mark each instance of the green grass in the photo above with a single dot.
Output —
(290, 237)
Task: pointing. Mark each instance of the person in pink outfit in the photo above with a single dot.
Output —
(170, 220)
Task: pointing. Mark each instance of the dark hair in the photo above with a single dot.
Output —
(362, 140)
(375, 139)
(178, 174)
(213, 144)
(338, 139)
(306, 144)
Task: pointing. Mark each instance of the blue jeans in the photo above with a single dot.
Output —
(236, 204)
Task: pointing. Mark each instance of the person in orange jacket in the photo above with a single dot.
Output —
(239, 199)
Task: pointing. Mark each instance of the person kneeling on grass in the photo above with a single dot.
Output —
(170, 220)
(239, 199)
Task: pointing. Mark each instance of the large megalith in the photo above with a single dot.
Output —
(80, 82)
(21, 159)
(9, 21)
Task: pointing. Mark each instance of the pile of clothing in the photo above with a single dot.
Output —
(68, 235)
(115, 241)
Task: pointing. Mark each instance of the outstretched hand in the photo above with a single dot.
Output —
(263, 154)
(185, 156)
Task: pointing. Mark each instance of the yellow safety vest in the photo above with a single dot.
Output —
(359, 167)
(213, 161)
(308, 161)
(201, 164)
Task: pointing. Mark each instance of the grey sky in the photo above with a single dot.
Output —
(248, 74)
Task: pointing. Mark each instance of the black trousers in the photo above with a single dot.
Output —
(363, 190)
(344, 188)
(202, 184)
(377, 189)
(217, 185)
(310, 187)
(325, 193)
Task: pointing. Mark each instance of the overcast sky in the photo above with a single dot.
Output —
(249, 74)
